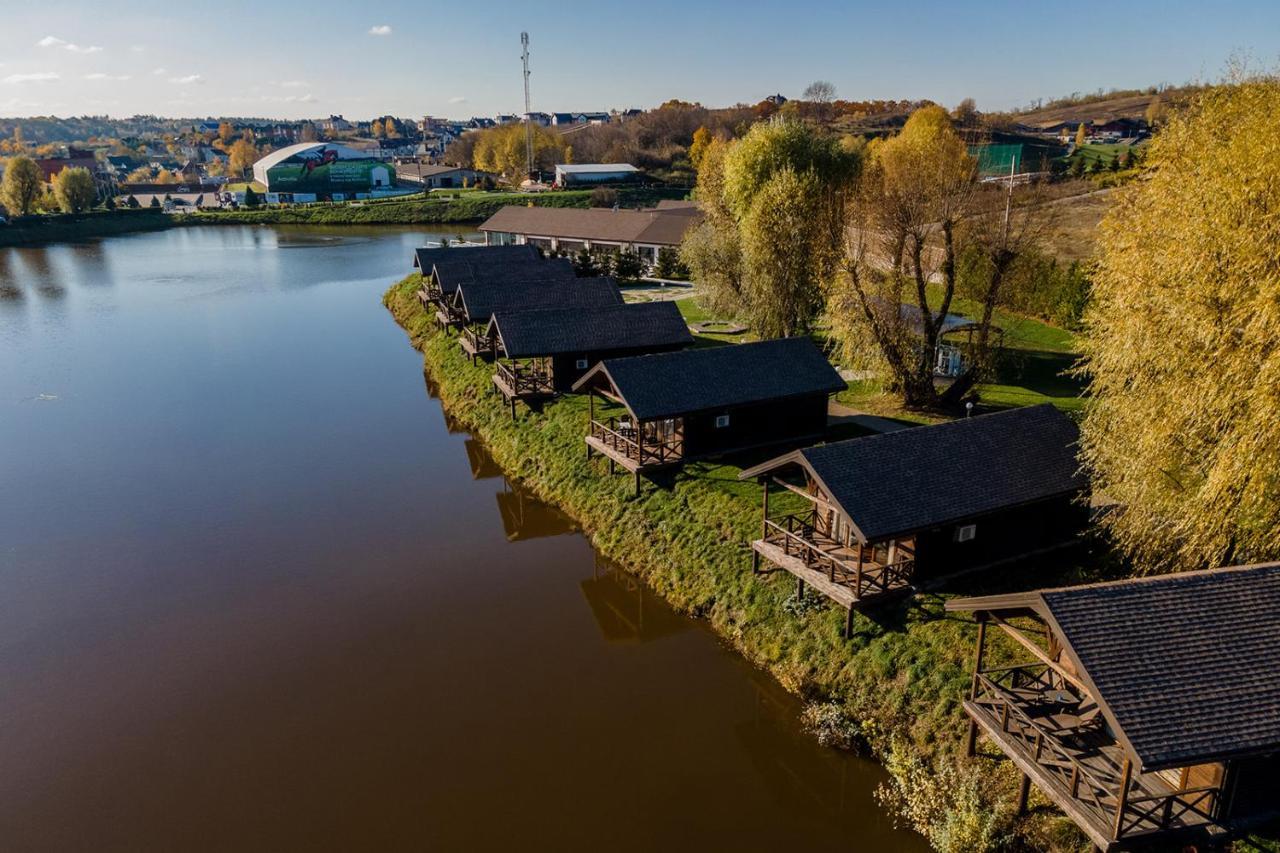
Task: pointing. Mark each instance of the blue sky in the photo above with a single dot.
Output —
(362, 59)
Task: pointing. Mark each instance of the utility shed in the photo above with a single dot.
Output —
(1148, 709)
(545, 352)
(705, 402)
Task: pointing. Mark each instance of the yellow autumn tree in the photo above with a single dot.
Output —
(1184, 425)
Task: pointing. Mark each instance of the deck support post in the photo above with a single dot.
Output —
(1122, 800)
(977, 657)
(637, 483)
(764, 521)
(513, 408)
(971, 742)
(848, 623)
(613, 467)
(755, 562)
(800, 589)
(1024, 791)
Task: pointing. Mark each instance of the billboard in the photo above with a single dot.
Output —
(326, 169)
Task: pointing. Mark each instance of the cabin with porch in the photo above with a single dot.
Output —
(1148, 709)
(425, 257)
(888, 512)
(543, 353)
(475, 302)
(707, 402)
(446, 276)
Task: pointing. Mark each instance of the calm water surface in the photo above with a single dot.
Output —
(256, 595)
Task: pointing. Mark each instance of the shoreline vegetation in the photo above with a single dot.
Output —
(457, 207)
(65, 227)
(892, 692)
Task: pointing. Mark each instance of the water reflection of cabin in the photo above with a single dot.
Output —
(886, 512)
(525, 516)
(705, 402)
(475, 302)
(446, 277)
(1148, 710)
(625, 610)
(542, 353)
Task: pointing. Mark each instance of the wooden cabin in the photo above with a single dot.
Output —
(424, 261)
(1148, 710)
(446, 276)
(543, 353)
(706, 402)
(475, 302)
(887, 512)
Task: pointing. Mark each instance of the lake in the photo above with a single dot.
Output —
(260, 596)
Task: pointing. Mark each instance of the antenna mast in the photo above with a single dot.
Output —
(528, 117)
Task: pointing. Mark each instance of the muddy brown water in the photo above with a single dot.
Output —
(258, 596)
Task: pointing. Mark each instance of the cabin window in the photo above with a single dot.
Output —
(722, 421)
(966, 532)
(581, 364)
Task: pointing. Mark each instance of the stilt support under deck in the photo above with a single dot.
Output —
(1024, 791)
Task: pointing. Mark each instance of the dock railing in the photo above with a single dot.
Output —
(1130, 814)
(797, 535)
(622, 436)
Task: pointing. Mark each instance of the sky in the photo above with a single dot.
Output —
(287, 59)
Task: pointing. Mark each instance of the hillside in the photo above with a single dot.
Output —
(1132, 105)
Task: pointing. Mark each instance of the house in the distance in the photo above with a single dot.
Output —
(1147, 709)
(438, 176)
(574, 174)
(565, 229)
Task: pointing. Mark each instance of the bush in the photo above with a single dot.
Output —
(948, 804)
(670, 265)
(584, 264)
(628, 266)
(604, 197)
(1037, 286)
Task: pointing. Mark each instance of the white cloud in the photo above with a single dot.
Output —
(380, 30)
(138, 48)
(159, 72)
(34, 77)
(458, 99)
(98, 75)
(54, 41)
(292, 84)
(188, 79)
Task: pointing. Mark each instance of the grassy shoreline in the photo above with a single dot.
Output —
(894, 690)
(66, 228)
(466, 207)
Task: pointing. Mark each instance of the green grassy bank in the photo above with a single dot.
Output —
(29, 230)
(893, 690)
(417, 210)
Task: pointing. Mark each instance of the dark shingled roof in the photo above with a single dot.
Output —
(1188, 665)
(924, 477)
(657, 227)
(451, 273)
(482, 297)
(572, 330)
(425, 258)
(677, 383)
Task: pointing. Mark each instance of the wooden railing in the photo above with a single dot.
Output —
(622, 436)
(796, 534)
(525, 379)
(1141, 815)
(479, 342)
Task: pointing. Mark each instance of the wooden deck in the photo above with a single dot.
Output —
(522, 384)
(476, 345)
(1061, 744)
(793, 544)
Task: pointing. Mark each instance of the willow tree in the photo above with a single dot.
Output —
(1181, 341)
(74, 190)
(773, 234)
(21, 186)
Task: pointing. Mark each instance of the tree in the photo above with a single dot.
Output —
(584, 264)
(377, 129)
(309, 132)
(1080, 135)
(250, 197)
(22, 186)
(701, 139)
(966, 113)
(628, 266)
(155, 202)
(242, 156)
(502, 149)
(133, 203)
(773, 233)
(1155, 113)
(669, 265)
(1184, 422)
(74, 190)
(917, 211)
(820, 94)
(225, 132)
